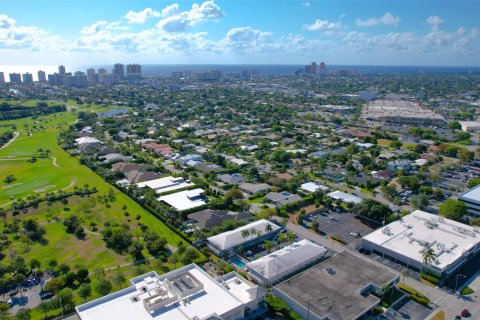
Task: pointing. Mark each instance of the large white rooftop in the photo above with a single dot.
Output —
(233, 238)
(420, 230)
(287, 259)
(182, 294)
(184, 200)
(165, 184)
(312, 187)
(345, 197)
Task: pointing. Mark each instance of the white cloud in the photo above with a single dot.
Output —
(306, 4)
(142, 16)
(170, 10)
(434, 22)
(323, 25)
(6, 22)
(180, 21)
(386, 19)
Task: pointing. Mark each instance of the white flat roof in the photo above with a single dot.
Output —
(184, 200)
(286, 259)
(345, 197)
(312, 187)
(214, 297)
(420, 230)
(472, 195)
(165, 184)
(233, 238)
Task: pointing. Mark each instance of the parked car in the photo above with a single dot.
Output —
(10, 302)
(333, 219)
(465, 313)
(45, 295)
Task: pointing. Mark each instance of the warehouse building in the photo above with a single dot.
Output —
(183, 294)
(406, 240)
(339, 288)
(282, 263)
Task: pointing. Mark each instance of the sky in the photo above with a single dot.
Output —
(95, 32)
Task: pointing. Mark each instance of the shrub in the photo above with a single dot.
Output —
(429, 278)
(466, 291)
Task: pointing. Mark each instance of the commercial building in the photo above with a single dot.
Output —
(406, 240)
(185, 200)
(61, 69)
(258, 231)
(402, 112)
(339, 288)
(15, 78)
(27, 78)
(166, 184)
(42, 77)
(282, 263)
(2, 77)
(471, 198)
(344, 197)
(134, 73)
(183, 294)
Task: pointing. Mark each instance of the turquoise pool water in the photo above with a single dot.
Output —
(239, 263)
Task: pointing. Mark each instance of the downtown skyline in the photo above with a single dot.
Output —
(240, 32)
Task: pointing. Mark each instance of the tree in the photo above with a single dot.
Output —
(234, 194)
(428, 257)
(72, 223)
(189, 255)
(23, 314)
(396, 144)
(9, 178)
(372, 209)
(453, 209)
(4, 308)
(34, 264)
(85, 291)
(473, 183)
(268, 245)
(420, 201)
(245, 233)
(268, 228)
(65, 297)
(135, 250)
(465, 156)
(82, 274)
(173, 259)
(454, 125)
(103, 287)
(79, 232)
(315, 225)
(119, 279)
(45, 307)
(55, 285)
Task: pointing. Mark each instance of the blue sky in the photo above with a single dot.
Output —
(82, 32)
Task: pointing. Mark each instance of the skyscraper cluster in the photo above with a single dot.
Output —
(79, 78)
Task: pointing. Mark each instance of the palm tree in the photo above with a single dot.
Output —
(253, 232)
(428, 257)
(268, 228)
(405, 273)
(245, 233)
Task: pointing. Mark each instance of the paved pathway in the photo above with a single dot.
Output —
(11, 140)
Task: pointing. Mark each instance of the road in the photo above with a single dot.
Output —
(452, 304)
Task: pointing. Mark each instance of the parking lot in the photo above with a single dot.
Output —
(341, 225)
(409, 309)
(395, 265)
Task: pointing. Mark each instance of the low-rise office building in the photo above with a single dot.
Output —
(183, 294)
(471, 198)
(282, 263)
(406, 240)
(339, 288)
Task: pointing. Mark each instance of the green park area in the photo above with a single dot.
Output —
(106, 208)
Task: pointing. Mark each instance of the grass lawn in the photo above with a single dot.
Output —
(439, 316)
(256, 200)
(384, 142)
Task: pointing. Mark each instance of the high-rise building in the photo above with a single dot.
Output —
(41, 76)
(2, 77)
(119, 69)
(249, 74)
(134, 73)
(177, 75)
(27, 78)
(92, 76)
(61, 69)
(77, 80)
(15, 78)
(322, 69)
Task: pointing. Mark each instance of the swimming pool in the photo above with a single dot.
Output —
(239, 263)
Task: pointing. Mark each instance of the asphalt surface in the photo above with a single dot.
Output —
(409, 309)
